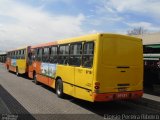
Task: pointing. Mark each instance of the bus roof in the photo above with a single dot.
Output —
(78, 39)
(18, 48)
(45, 44)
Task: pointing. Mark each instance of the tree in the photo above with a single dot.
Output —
(137, 31)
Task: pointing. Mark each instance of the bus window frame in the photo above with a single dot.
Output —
(46, 56)
(66, 55)
(89, 54)
(81, 51)
(55, 61)
(38, 56)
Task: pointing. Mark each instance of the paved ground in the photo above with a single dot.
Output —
(19, 95)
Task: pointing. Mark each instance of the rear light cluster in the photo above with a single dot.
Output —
(135, 95)
(97, 85)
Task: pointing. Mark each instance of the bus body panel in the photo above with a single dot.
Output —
(66, 73)
(12, 68)
(22, 66)
(120, 66)
(30, 71)
(51, 82)
(83, 83)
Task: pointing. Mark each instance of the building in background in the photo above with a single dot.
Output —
(151, 38)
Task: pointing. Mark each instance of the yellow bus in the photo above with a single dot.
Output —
(17, 60)
(98, 67)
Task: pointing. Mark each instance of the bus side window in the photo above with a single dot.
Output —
(13, 54)
(22, 54)
(63, 54)
(39, 54)
(75, 54)
(35, 55)
(30, 57)
(10, 55)
(88, 52)
(7, 54)
(19, 54)
(53, 55)
(45, 56)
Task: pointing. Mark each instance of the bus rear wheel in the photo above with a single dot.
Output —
(59, 88)
(35, 79)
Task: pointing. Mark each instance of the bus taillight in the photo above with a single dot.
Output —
(97, 85)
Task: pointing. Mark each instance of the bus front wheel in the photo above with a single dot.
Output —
(59, 88)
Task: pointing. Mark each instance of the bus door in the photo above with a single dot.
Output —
(46, 67)
(84, 73)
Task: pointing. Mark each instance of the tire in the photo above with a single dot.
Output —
(59, 88)
(35, 79)
(17, 73)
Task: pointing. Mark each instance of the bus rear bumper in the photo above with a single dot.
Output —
(104, 97)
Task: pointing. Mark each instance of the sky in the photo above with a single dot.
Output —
(30, 22)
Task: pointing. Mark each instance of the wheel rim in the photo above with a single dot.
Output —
(58, 89)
